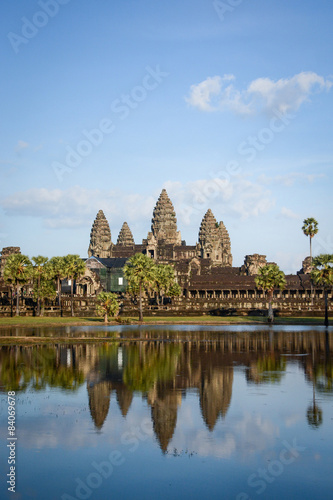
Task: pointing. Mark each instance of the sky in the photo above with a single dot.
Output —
(225, 104)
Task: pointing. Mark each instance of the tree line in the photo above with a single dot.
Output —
(44, 274)
(144, 274)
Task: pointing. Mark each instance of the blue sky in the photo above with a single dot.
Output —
(226, 104)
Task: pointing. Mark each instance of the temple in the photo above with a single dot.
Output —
(209, 282)
(163, 242)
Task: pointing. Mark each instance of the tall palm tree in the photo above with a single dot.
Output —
(17, 272)
(139, 271)
(268, 279)
(56, 268)
(164, 280)
(310, 228)
(322, 275)
(74, 268)
(38, 271)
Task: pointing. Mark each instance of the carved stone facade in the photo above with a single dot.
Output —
(214, 241)
(306, 266)
(164, 241)
(125, 237)
(252, 264)
(100, 237)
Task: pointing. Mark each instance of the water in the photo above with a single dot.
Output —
(179, 412)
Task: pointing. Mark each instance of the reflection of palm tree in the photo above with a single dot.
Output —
(314, 414)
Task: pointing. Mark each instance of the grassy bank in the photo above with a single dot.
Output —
(25, 321)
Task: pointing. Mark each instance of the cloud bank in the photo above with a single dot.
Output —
(219, 93)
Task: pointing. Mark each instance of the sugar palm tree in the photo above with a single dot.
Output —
(107, 305)
(164, 280)
(268, 279)
(322, 275)
(17, 272)
(57, 269)
(74, 268)
(310, 228)
(44, 290)
(38, 271)
(139, 271)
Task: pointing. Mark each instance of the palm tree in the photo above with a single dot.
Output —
(38, 271)
(164, 281)
(139, 271)
(310, 228)
(322, 275)
(17, 272)
(56, 268)
(74, 268)
(45, 290)
(107, 305)
(268, 279)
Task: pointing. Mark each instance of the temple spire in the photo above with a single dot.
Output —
(164, 222)
(214, 241)
(125, 237)
(100, 237)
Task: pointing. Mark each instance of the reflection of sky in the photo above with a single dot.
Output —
(56, 433)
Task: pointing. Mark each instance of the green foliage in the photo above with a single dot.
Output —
(18, 269)
(38, 274)
(310, 227)
(174, 290)
(270, 277)
(36, 368)
(142, 273)
(148, 365)
(270, 369)
(139, 270)
(107, 305)
(164, 281)
(17, 272)
(74, 267)
(322, 273)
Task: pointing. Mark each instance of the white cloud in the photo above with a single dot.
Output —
(289, 214)
(21, 145)
(288, 180)
(262, 94)
(77, 206)
(239, 197)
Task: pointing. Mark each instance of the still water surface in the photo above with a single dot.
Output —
(180, 413)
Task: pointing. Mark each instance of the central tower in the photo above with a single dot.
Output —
(164, 222)
(163, 229)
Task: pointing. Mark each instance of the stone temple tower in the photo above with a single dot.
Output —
(163, 227)
(100, 237)
(125, 237)
(214, 241)
(164, 222)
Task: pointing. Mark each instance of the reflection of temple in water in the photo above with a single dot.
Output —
(215, 395)
(163, 372)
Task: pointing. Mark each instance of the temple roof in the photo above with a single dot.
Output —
(125, 237)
